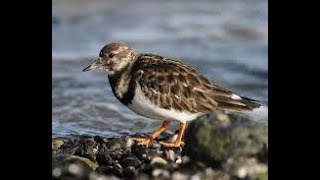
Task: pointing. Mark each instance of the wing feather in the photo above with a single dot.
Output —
(171, 84)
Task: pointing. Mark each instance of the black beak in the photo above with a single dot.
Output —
(92, 66)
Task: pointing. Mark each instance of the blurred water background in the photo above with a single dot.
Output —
(227, 40)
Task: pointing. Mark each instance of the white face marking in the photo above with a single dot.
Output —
(143, 106)
(235, 97)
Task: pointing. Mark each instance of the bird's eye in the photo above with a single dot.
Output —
(101, 54)
(111, 55)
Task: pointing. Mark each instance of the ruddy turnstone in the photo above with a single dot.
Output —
(164, 89)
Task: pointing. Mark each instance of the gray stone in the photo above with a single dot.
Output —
(62, 160)
(72, 167)
(245, 167)
(213, 141)
(159, 161)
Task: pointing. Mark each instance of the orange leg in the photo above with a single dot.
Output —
(147, 140)
(178, 141)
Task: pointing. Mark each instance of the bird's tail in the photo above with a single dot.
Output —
(243, 104)
(230, 101)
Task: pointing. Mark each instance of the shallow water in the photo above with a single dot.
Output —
(226, 40)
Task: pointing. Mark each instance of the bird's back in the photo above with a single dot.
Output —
(171, 84)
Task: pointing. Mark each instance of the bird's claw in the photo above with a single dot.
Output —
(145, 141)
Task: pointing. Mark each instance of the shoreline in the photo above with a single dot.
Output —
(216, 147)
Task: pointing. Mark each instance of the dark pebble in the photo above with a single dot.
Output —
(117, 170)
(109, 170)
(84, 137)
(117, 154)
(138, 150)
(69, 147)
(88, 148)
(124, 159)
(142, 176)
(129, 171)
(263, 154)
(130, 161)
(104, 159)
(146, 168)
(102, 170)
(115, 144)
(151, 153)
(100, 140)
(71, 168)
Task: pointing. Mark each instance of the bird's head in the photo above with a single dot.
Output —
(113, 58)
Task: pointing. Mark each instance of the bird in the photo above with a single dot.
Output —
(164, 89)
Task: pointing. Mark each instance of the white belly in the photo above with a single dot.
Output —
(143, 106)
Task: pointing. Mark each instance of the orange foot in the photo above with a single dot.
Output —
(171, 144)
(178, 142)
(147, 140)
(143, 140)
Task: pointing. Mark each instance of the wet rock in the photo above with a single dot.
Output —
(161, 173)
(245, 167)
(213, 141)
(178, 161)
(115, 144)
(223, 118)
(117, 154)
(103, 157)
(172, 167)
(84, 157)
(195, 177)
(70, 146)
(87, 148)
(170, 155)
(108, 170)
(117, 170)
(185, 159)
(179, 176)
(158, 161)
(145, 154)
(129, 171)
(146, 168)
(129, 142)
(130, 161)
(260, 176)
(152, 153)
(100, 140)
(72, 167)
(209, 173)
(139, 151)
(57, 143)
(263, 154)
(95, 176)
(113, 170)
(142, 176)
(102, 170)
(67, 159)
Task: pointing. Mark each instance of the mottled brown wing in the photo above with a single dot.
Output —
(171, 84)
